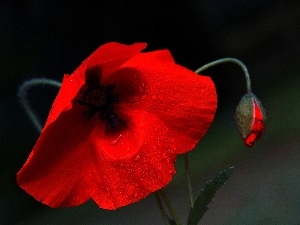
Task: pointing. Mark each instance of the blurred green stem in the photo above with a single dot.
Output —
(161, 208)
(188, 176)
(170, 206)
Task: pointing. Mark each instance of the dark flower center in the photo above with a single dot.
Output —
(99, 99)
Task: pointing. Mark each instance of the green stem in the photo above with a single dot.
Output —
(188, 175)
(161, 208)
(229, 60)
(22, 94)
(170, 206)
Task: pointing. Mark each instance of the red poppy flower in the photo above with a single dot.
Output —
(250, 118)
(115, 128)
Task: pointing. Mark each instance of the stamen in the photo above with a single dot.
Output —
(99, 98)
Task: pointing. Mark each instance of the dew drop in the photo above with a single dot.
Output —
(134, 99)
(165, 156)
(141, 87)
(117, 140)
(137, 157)
(153, 97)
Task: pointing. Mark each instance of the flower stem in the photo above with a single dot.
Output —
(170, 206)
(229, 60)
(22, 94)
(161, 208)
(188, 175)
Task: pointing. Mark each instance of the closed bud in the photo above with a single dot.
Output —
(250, 118)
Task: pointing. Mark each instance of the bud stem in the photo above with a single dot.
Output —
(229, 60)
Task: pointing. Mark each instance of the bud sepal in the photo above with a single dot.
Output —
(250, 117)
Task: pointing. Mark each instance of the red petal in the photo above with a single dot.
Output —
(71, 163)
(184, 101)
(250, 139)
(130, 82)
(109, 56)
(257, 127)
(258, 124)
(74, 159)
(63, 101)
(133, 163)
(56, 170)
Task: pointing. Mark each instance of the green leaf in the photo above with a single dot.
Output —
(206, 195)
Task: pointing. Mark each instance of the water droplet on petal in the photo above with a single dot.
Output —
(141, 87)
(134, 99)
(137, 157)
(165, 156)
(153, 97)
(117, 140)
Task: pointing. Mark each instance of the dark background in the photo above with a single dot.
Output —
(50, 38)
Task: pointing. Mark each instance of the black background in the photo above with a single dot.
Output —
(51, 38)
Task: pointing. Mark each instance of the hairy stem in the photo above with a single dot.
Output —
(23, 92)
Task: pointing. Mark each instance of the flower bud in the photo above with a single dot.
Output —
(250, 118)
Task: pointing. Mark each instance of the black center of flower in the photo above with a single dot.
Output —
(99, 99)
